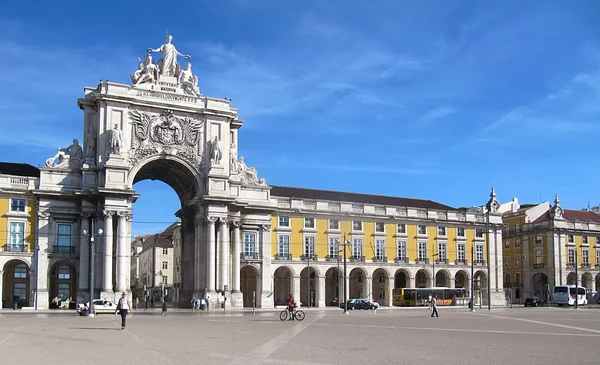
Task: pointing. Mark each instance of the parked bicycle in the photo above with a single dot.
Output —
(297, 313)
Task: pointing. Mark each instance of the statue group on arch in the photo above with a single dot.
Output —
(148, 72)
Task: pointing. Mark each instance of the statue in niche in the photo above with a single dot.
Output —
(168, 63)
(116, 140)
(70, 156)
(216, 151)
(189, 81)
(147, 72)
(90, 144)
(248, 174)
(233, 158)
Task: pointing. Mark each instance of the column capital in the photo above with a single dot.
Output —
(224, 220)
(265, 227)
(198, 219)
(235, 223)
(212, 219)
(44, 214)
(108, 213)
(125, 214)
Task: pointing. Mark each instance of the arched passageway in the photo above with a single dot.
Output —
(442, 278)
(15, 284)
(587, 281)
(540, 285)
(358, 280)
(422, 279)
(308, 287)
(333, 287)
(282, 285)
(380, 285)
(571, 278)
(63, 287)
(401, 279)
(249, 284)
(461, 280)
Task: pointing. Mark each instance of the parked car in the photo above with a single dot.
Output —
(104, 306)
(360, 304)
(533, 302)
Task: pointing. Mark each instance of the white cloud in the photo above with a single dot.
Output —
(435, 113)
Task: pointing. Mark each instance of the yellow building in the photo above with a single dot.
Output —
(18, 216)
(392, 243)
(542, 245)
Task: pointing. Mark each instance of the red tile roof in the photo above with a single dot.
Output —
(573, 216)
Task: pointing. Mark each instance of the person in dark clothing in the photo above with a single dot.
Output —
(124, 307)
(434, 306)
(291, 306)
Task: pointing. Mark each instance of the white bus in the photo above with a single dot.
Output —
(565, 294)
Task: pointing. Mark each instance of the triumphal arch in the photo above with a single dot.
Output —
(158, 127)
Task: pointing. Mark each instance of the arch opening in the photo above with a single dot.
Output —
(282, 285)
(15, 284)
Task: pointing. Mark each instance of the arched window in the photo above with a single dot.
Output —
(20, 290)
(20, 271)
(381, 278)
(64, 291)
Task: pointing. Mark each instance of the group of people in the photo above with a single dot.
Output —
(199, 304)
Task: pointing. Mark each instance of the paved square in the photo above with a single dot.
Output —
(388, 336)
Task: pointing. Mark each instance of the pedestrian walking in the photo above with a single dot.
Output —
(123, 308)
(164, 307)
(193, 304)
(137, 302)
(202, 304)
(434, 306)
(207, 303)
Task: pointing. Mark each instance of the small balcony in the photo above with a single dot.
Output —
(15, 248)
(461, 262)
(585, 266)
(380, 259)
(597, 265)
(571, 265)
(401, 260)
(283, 256)
(357, 258)
(538, 266)
(65, 250)
(248, 256)
(309, 257)
(442, 262)
(422, 261)
(332, 257)
(479, 262)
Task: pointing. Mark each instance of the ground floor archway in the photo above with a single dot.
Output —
(422, 279)
(282, 285)
(63, 284)
(308, 286)
(249, 284)
(480, 284)
(442, 278)
(587, 281)
(380, 285)
(401, 279)
(539, 285)
(358, 280)
(461, 280)
(15, 284)
(571, 278)
(333, 287)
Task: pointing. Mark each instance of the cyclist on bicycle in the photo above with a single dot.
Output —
(291, 306)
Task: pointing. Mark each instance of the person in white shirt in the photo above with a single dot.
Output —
(123, 307)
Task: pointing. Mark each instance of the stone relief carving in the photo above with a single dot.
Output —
(90, 144)
(216, 152)
(147, 71)
(232, 158)
(68, 157)
(165, 133)
(116, 140)
(168, 65)
(247, 175)
(44, 215)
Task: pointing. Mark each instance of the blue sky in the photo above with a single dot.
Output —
(428, 99)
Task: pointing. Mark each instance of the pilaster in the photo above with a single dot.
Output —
(321, 292)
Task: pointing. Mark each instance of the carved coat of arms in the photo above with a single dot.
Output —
(166, 133)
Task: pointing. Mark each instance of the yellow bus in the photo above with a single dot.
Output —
(414, 297)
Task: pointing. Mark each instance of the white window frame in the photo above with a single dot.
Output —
(379, 249)
(507, 244)
(458, 229)
(308, 224)
(517, 261)
(507, 279)
(12, 236)
(571, 257)
(333, 247)
(249, 244)
(10, 207)
(478, 232)
(64, 238)
(309, 246)
(401, 228)
(539, 256)
(379, 224)
(165, 265)
(283, 245)
(354, 224)
(517, 227)
(570, 238)
(441, 230)
(358, 247)
(62, 274)
(517, 243)
(536, 241)
(506, 262)
(165, 250)
(518, 278)
(421, 250)
(336, 226)
(585, 256)
(479, 257)
(442, 251)
(461, 251)
(401, 249)
(584, 240)
(422, 230)
(283, 221)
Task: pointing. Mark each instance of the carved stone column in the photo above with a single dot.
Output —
(84, 256)
(235, 270)
(107, 277)
(122, 252)
(210, 257)
(224, 257)
(198, 265)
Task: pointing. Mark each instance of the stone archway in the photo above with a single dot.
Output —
(461, 280)
(249, 284)
(540, 285)
(442, 278)
(15, 284)
(402, 279)
(308, 287)
(480, 284)
(334, 290)
(282, 285)
(571, 278)
(62, 283)
(422, 279)
(587, 281)
(358, 281)
(380, 284)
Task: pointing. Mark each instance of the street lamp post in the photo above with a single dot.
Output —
(576, 282)
(308, 277)
(487, 241)
(92, 259)
(433, 264)
(472, 276)
(345, 288)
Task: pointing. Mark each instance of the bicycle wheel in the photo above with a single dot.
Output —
(299, 315)
(283, 315)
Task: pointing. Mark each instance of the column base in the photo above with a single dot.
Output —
(108, 294)
(237, 299)
(266, 300)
